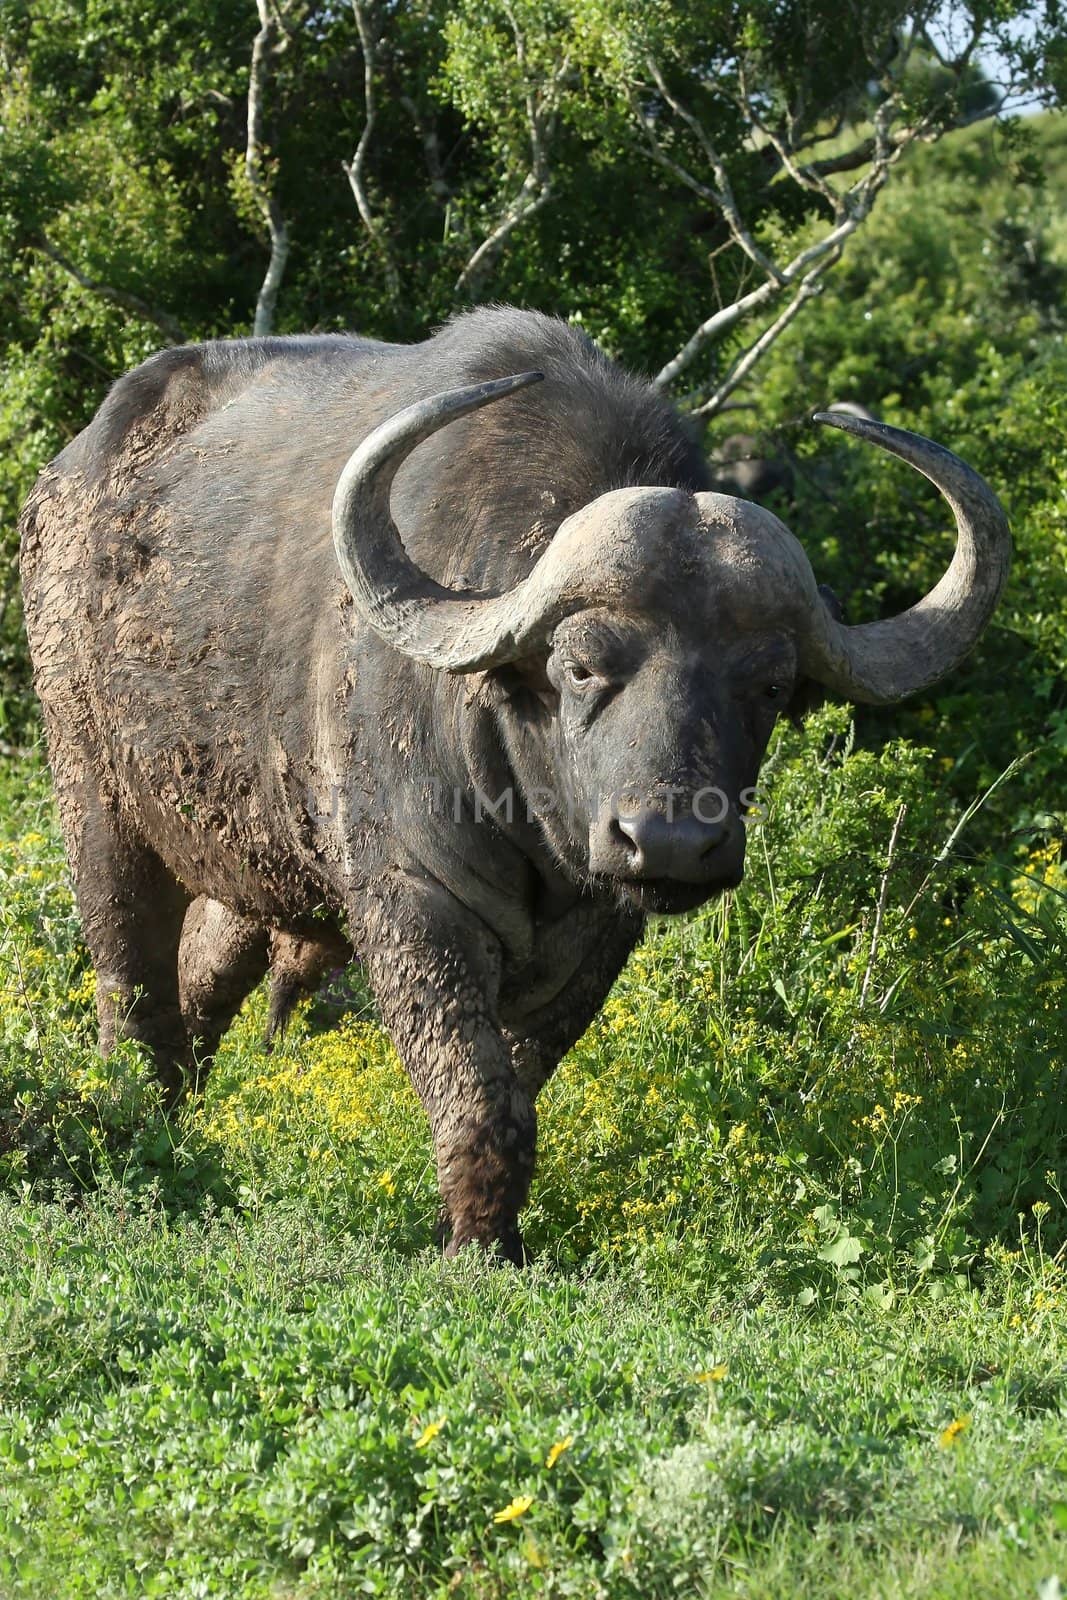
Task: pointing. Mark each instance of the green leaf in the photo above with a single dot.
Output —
(842, 1250)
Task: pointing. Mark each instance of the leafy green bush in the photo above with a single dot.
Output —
(66, 1117)
(955, 331)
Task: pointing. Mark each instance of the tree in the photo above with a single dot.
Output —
(780, 125)
(679, 175)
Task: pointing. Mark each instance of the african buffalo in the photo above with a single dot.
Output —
(477, 744)
(742, 466)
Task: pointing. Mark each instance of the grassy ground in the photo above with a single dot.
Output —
(262, 1406)
(797, 1322)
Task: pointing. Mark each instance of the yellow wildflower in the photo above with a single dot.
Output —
(948, 1436)
(431, 1430)
(516, 1509)
(85, 990)
(386, 1181)
(558, 1449)
(713, 1374)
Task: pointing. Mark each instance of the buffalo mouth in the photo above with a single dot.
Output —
(669, 897)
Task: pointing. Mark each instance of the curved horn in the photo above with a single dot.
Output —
(880, 662)
(449, 628)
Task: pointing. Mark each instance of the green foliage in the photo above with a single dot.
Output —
(255, 1407)
(66, 1117)
(957, 333)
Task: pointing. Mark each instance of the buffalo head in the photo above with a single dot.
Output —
(643, 661)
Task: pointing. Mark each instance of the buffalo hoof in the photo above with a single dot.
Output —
(508, 1248)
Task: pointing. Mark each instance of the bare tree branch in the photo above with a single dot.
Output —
(163, 320)
(863, 153)
(783, 140)
(722, 195)
(531, 197)
(728, 315)
(809, 286)
(206, 97)
(859, 156)
(806, 177)
(354, 170)
(269, 42)
(542, 105)
(431, 147)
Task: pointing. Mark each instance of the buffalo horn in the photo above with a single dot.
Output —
(455, 629)
(880, 662)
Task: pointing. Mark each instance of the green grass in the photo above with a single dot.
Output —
(233, 1405)
(798, 1308)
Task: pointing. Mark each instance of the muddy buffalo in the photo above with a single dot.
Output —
(346, 646)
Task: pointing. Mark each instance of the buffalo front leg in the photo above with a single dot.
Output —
(434, 970)
(541, 1039)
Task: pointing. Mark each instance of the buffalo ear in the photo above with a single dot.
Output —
(808, 695)
(526, 679)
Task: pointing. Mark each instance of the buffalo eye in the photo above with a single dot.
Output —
(579, 677)
(775, 691)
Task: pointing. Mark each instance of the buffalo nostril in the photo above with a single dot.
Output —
(622, 835)
(651, 843)
(715, 834)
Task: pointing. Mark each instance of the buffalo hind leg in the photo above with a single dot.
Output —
(297, 968)
(222, 958)
(434, 970)
(132, 910)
